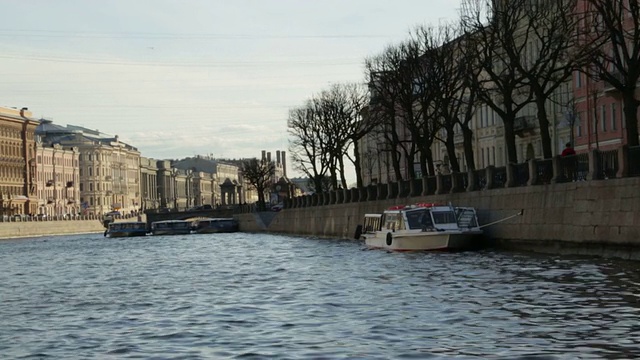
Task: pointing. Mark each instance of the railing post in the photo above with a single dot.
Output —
(425, 186)
(490, 172)
(623, 161)
(371, 192)
(390, 193)
(362, 194)
(355, 195)
(455, 182)
(347, 195)
(381, 191)
(533, 173)
(439, 184)
(595, 172)
(556, 166)
(471, 176)
(511, 179)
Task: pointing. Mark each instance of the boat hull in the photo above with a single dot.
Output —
(214, 231)
(171, 232)
(423, 241)
(118, 234)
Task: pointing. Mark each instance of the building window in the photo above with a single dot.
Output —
(579, 125)
(614, 120)
(603, 117)
(578, 76)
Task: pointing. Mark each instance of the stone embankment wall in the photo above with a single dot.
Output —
(585, 217)
(45, 228)
(32, 228)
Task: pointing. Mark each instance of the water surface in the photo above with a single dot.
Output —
(267, 296)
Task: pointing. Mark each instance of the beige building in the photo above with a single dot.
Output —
(149, 188)
(17, 162)
(227, 187)
(109, 170)
(58, 179)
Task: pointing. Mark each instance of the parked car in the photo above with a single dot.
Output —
(277, 207)
(114, 213)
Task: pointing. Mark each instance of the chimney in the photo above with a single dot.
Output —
(277, 157)
(269, 156)
(284, 164)
(23, 110)
(264, 156)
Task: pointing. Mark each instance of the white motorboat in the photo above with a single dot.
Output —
(421, 227)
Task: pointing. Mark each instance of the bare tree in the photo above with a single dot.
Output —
(611, 29)
(544, 49)
(342, 107)
(502, 86)
(258, 174)
(452, 101)
(308, 145)
(392, 105)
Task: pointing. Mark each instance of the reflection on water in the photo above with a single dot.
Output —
(256, 295)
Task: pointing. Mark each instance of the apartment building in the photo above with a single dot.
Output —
(57, 179)
(599, 107)
(149, 188)
(18, 193)
(109, 169)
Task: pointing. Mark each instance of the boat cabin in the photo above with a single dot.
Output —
(429, 217)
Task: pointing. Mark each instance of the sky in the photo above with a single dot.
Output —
(178, 78)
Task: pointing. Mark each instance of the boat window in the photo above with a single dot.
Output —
(392, 221)
(444, 217)
(419, 219)
(372, 223)
(466, 217)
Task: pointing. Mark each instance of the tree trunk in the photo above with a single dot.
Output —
(395, 161)
(357, 165)
(630, 105)
(343, 181)
(451, 151)
(543, 121)
(432, 169)
(468, 148)
(423, 163)
(510, 140)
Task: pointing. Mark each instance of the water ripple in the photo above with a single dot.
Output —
(257, 296)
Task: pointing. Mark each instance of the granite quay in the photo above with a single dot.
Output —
(581, 204)
(29, 226)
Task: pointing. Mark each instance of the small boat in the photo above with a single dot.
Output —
(171, 227)
(215, 225)
(422, 227)
(126, 229)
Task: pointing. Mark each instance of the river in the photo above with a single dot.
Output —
(255, 296)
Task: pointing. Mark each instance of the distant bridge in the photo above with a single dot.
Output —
(188, 215)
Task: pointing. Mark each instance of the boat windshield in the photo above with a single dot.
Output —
(419, 219)
(444, 217)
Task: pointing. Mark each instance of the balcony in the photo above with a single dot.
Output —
(524, 125)
(49, 183)
(109, 192)
(50, 200)
(108, 178)
(69, 184)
